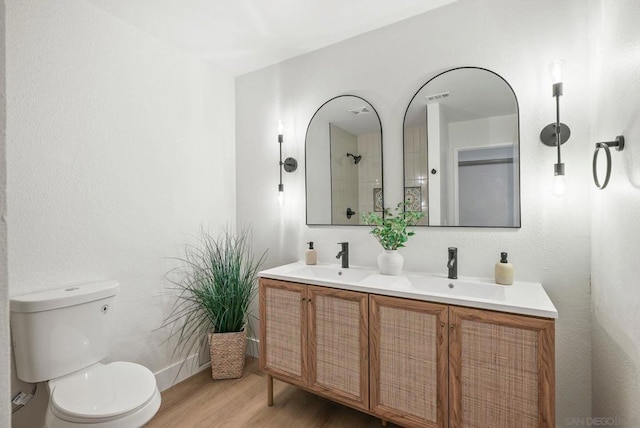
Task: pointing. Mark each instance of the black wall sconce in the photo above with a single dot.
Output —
(619, 145)
(289, 164)
(556, 134)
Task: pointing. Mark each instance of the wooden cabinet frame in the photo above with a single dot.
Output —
(265, 364)
(544, 330)
(440, 312)
(361, 400)
(308, 379)
(449, 350)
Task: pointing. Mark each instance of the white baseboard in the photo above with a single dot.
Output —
(171, 375)
(253, 346)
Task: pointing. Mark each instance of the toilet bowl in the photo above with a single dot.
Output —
(115, 395)
(61, 337)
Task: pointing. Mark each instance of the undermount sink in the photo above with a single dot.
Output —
(476, 289)
(332, 273)
(465, 288)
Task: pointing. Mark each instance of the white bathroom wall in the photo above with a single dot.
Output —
(517, 39)
(119, 147)
(615, 227)
(5, 408)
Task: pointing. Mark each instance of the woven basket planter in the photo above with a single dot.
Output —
(227, 354)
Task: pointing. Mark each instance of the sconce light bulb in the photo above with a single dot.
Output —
(280, 128)
(559, 187)
(281, 194)
(555, 71)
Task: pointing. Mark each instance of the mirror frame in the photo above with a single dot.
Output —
(515, 97)
(306, 170)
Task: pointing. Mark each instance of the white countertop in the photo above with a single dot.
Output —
(525, 298)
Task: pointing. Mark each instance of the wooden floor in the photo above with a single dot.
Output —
(202, 402)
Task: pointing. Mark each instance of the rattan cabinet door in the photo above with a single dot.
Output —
(409, 360)
(338, 345)
(501, 370)
(283, 330)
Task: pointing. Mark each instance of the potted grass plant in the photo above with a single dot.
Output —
(391, 232)
(215, 284)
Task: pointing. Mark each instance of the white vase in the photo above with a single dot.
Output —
(390, 262)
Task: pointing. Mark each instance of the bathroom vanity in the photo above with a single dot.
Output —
(418, 350)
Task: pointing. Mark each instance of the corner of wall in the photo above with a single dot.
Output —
(614, 109)
(5, 408)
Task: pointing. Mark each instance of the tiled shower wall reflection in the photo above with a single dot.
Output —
(415, 163)
(369, 169)
(344, 176)
(352, 184)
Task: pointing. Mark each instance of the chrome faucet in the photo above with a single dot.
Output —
(452, 264)
(344, 253)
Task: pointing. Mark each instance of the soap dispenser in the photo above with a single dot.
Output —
(504, 271)
(310, 257)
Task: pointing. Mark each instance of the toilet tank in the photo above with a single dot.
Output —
(57, 332)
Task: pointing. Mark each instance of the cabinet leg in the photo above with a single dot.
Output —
(269, 390)
(383, 422)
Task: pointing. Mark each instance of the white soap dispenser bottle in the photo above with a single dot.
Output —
(310, 257)
(504, 271)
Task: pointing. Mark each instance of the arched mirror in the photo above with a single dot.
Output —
(461, 151)
(343, 162)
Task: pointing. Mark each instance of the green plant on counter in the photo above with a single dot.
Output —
(215, 286)
(391, 230)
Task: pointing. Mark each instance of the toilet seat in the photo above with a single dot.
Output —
(103, 393)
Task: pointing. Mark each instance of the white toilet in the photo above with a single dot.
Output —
(60, 336)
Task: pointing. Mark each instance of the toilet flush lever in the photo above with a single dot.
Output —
(21, 398)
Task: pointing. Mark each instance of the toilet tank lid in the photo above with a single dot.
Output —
(63, 297)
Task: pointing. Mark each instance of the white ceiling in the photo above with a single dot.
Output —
(473, 94)
(246, 35)
(338, 112)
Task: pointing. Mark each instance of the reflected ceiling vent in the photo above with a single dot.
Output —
(359, 110)
(434, 98)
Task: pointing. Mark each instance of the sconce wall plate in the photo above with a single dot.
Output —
(548, 134)
(290, 164)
